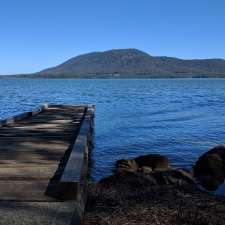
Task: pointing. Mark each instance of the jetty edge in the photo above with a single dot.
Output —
(44, 157)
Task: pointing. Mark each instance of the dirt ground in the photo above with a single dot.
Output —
(135, 199)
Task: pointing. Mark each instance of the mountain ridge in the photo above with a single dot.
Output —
(132, 63)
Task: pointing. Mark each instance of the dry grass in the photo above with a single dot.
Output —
(132, 199)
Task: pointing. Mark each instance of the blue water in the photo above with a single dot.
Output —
(179, 118)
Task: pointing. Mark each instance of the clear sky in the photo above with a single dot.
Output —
(36, 34)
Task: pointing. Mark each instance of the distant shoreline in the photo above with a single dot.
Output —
(15, 77)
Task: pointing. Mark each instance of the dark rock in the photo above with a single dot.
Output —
(146, 169)
(210, 168)
(128, 165)
(146, 163)
(218, 150)
(154, 161)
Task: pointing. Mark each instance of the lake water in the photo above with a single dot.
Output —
(179, 118)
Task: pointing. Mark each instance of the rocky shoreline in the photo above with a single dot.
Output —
(146, 190)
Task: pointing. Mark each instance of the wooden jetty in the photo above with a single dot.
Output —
(44, 165)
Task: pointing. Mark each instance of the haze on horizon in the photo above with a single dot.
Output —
(39, 34)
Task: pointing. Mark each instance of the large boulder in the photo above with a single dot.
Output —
(154, 161)
(210, 168)
(145, 163)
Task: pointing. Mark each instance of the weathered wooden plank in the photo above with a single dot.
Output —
(39, 151)
(61, 112)
(38, 134)
(42, 126)
(12, 130)
(29, 158)
(73, 170)
(74, 164)
(48, 121)
(17, 164)
(70, 106)
(37, 213)
(34, 190)
(49, 136)
(22, 116)
(46, 131)
(33, 143)
(27, 165)
(28, 172)
(40, 130)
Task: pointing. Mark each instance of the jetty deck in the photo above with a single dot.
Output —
(43, 165)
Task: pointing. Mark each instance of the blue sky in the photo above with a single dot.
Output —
(35, 34)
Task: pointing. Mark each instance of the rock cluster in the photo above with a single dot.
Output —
(147, 191)
(153, 168)
(209, 170)
(145, 163)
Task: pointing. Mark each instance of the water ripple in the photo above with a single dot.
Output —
(178, 118)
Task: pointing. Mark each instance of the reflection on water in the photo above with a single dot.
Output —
(178, 118)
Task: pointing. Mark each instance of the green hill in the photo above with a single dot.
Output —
(132, 63)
